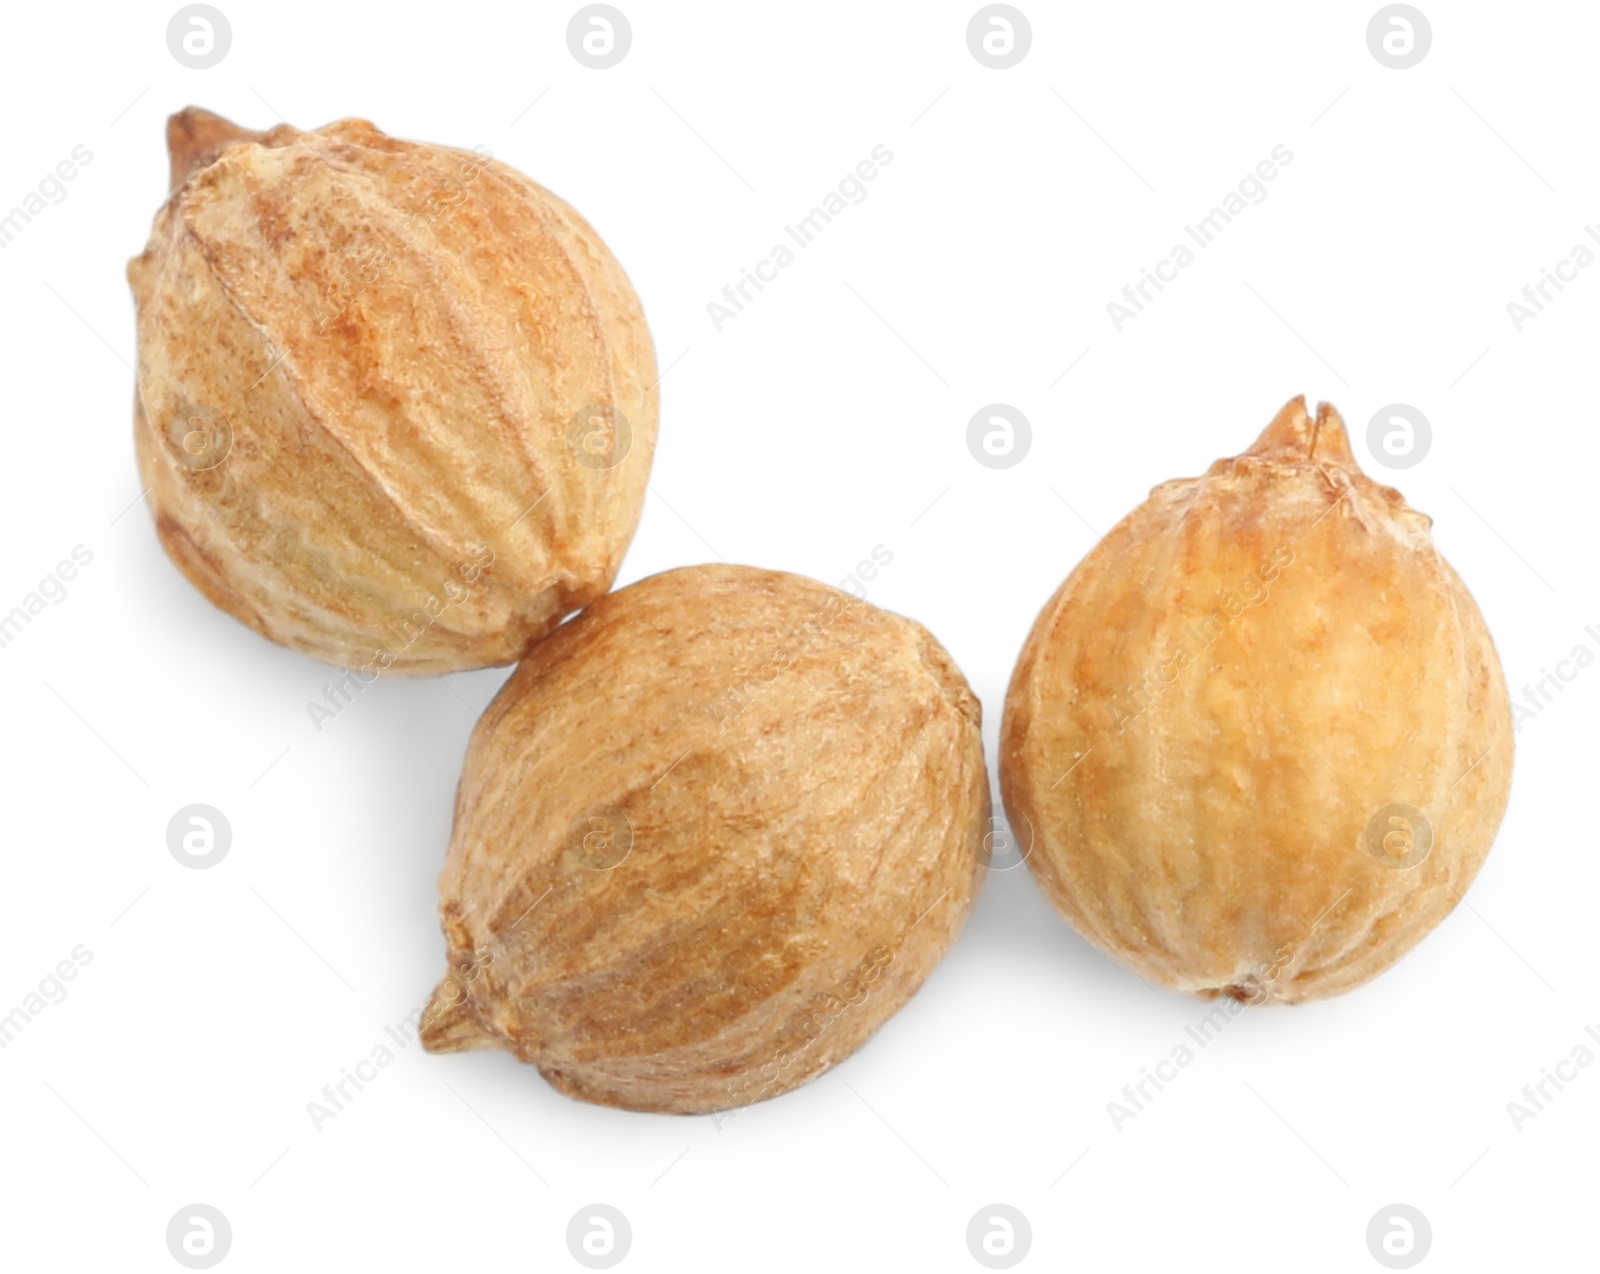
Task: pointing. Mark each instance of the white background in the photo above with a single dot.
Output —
(826, 419)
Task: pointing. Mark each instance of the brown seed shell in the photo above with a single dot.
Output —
(1212, 718)
(368, 370)
(710, 836)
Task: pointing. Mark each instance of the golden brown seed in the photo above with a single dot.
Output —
(711, 835)
(396, 403)
(1260, 737)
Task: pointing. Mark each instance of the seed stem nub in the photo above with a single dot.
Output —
(449, 1024)
(1294, 430)
(196, 137)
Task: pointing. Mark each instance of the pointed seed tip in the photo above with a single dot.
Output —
(1289, 428)
(1331, 439)
(449, 1026)
(196, 136)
